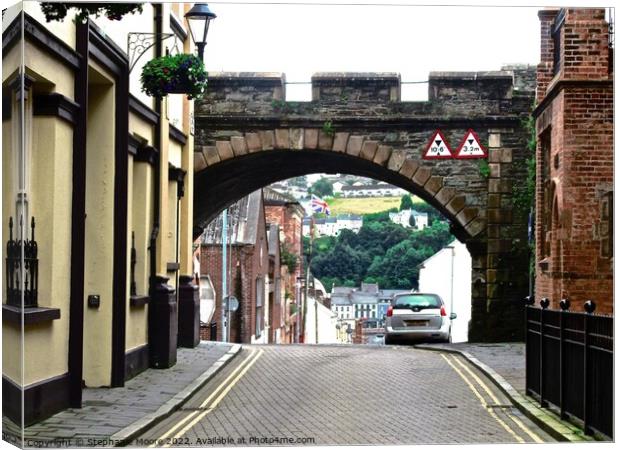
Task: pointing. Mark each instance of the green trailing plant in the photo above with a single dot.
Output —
(288, 258)
(523, 193)
(57, 11)
(174, 74)
(484, 168)
(328, 128)
(284, 107)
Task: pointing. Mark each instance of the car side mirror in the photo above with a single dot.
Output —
(452, 316)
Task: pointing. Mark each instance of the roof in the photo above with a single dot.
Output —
(372, 288)
(275, 198)
(389, 293)
(371, 187)
(272, 195)
(243, 217)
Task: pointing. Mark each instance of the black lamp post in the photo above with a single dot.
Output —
(198, 19)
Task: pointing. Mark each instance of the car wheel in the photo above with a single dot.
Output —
(388, 340)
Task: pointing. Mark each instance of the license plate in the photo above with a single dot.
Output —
(416, 323)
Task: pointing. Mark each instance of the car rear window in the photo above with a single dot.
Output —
(421, 300)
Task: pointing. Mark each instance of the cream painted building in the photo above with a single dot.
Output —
(105, 174)
(448, 274)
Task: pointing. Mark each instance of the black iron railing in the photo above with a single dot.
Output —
(569, 362)
(22, 269)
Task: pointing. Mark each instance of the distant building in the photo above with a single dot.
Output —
(368, 303)
(248, 276)
(284, 210)
(332, 226)
(308, 228)
(448, 274)
(404, 218)
(337, 187)
(372, 190)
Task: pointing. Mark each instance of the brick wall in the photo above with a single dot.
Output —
(575, 123)
(248, 263)
(289, 217)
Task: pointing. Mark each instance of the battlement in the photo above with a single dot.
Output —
(369, 87)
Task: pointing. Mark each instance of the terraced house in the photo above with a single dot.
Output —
(97, 190)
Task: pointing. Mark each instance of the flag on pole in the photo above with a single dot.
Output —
(319, 205)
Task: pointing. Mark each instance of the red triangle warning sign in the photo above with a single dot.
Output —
(470, 147)
(437, 147)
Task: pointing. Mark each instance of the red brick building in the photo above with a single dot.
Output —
(276, 325)
(248, 268)
(288, 214)
(574, 159)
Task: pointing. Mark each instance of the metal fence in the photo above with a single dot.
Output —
(569, 363)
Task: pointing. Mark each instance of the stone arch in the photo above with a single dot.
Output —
(302, 151)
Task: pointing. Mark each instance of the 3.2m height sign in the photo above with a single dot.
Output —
(470, 147)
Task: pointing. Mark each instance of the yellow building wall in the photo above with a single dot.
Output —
(99, 235)
(64, 30)
(174, 153)
(140, 127)
(11, 333)
(171, 218)
(51, 184)
(138, 222)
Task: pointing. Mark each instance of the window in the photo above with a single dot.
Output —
(606, 228)
(548, 194)
(260, 293)
(417, 300)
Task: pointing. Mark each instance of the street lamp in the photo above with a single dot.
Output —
(198, 19)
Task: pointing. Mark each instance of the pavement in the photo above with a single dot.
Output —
(110, 416)
(345, 395)
(504, 365)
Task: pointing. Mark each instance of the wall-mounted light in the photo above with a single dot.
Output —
(199, 18)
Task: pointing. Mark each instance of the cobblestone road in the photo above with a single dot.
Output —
(336, 395)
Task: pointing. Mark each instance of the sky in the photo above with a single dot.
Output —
(300, 40)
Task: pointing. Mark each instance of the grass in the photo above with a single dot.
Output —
(367, 205)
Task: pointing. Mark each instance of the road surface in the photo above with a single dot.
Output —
(343, 395)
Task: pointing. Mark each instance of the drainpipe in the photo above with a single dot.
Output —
(224, 274)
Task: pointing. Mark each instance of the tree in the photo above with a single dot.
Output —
(412, 221)
(406, 202)
(322, 188)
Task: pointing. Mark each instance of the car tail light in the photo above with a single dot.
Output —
(390, 311)
(443, 311)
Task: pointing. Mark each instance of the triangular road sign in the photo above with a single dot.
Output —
(470, 147)
(437, 147)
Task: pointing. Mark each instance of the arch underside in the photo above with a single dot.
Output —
(221, 184)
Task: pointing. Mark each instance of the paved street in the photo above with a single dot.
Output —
(336, 395)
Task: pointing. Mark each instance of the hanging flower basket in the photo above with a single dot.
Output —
(113, 11)
(176, 74)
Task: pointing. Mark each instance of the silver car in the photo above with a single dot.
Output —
(417, 316)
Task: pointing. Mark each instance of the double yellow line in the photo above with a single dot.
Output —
(489, 409)
(210, 402)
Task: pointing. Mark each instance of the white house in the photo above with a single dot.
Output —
(318, 315)
(403, 218)
(337, 187)
(332, 226)
(448, 274)
(372, 190)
